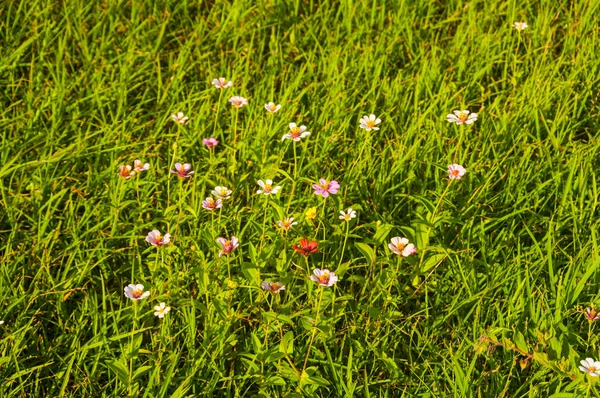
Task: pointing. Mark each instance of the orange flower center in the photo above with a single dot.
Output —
(268, 188)
(324, 279)
(400, 246)
(137, 293)
(370, 123)
(455, 172)
(591, 369)
(326, 186)
(272, 107)
(463, 116)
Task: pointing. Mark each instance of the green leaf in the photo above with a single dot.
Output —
(367, 251)
(120, 370)
(287, 343)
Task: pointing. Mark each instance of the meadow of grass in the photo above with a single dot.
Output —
(492, 303)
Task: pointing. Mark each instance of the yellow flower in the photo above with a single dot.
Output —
(311, 213)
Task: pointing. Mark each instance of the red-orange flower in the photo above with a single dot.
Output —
(306, 248)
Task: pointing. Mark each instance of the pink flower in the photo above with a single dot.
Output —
(138, 167)
(179, 118)
(591, 314)
(183, 170)
(210, 204)
(136, 292)
(227, 245)
(238, 101)
(125, 172)
(401, 247)
(272, 288)
(296, 133)
(324, 188)
(156, 239)
(210, 142)
(324, 277)
(456, 171)
(221, 82)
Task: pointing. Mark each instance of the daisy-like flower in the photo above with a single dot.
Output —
(520, 26)
(183, 170)
(347, 215)
(456, 171)
(306, 248)
(370, 122)
(460, 117)
(136, 292)
(221, 192)
(238, 101)
(591, 314)
(324, 277)
(296, 133)
(221, 82)
(401, 247)
(125, 171)
(227, 245)
(161, 310)
(272, 288)
(287, 223)
(310, 213)
(590, 367)
(138, 166)
(267, 187)
(272, 107)
(179, 118)
(210, 142)
(324, 188)
(210, 204)
(156, 239)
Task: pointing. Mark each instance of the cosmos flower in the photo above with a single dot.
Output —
(370, 122)
(156, 239)
(272, 108)
(161, 310)
(221, 192)
(183, 170)
(238, 101)
(324, 277)
(591, 314)
(221, 82)
(296, 133)
(227, 245)
(590, 367)
(136, 292)
(324, 188)
(210, 142)
(456, 171)
(138, 167)
(401, 247)
(210, 204)
(347, 215)
(267, 187)
(179, 118)
(287, 223)
(125, 171)
(310, 213)
(272, 288)
(520, 26)
(461, 117)
(306, 248)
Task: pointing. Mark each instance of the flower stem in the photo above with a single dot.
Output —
(314, 332)
(217, 114)
(345, 240)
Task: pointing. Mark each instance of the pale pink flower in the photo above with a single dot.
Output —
(296, 133)
(461, 117)
(161, 310)
(125, 171)
(221, 82)
(370, 122)
(520, 26)
(287, 223)
(179, 118)
(456, 171)
(267, 187)
(401, 247)
(591, 314)
(138, 166)
(221, 192)
(272, 108)
(590, 367)
(210, 204)
(183, 170)
(272, 288)
(227, 245)
(324, 277)
(210, 142)
(136, 292)
(238, 101)
(156, 239)
(324, 188)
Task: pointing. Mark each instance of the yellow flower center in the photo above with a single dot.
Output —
(228, 243)
(137, 293)
(463, 116)
(324, 279)
(272, 107)
(326, 186)
(268, 188)
(400, 246)
(370, 123)
(591, 369)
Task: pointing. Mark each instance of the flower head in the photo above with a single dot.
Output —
(271, 107)
(461, 117)
(272, 288)
(401, 247)
(210, 142)
(221, 192)
(267, 187)
(138, 166)
(287, 223)
(179, 118)
(183, 170)
(296, 133)
(456, 171)
(306, 248)
(369, 122)
(347, 215)
(310, 213)
(136, 292)
(520, 26)
(161, 310)
(125, 171)
(591, 314)
(324, 277)
(210, 204)
(221, 82)
(238, 101)
(156, 239)
(324, 188)
(227, 245)
(590, 367)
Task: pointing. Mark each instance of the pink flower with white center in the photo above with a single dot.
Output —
(456, 171)
(370, 122)
(590, 367)
(462, 117)
(296, 133)
(210, 204)
(221, 82)
(324, 277)
(324, 188)
(272, 288)
(267, 187)
(347, 215)
(156, 239)
(221, 192)
(287, 223)
(136, 292)
(272, 108)
(210, 142)
(401, 247)
(227, 245)
(183, 170)
(238, 101)
(125, 171)
(138, 166)
(161, 310)
(179, 118)
(520, 26)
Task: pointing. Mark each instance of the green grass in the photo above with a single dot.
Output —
(508, 256)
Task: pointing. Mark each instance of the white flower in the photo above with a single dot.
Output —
(287, 223)
(520, 26)
(221, 192)
(179, 117)
(136, 292)
(161, 310)
(456, 171)
(348, 215)
(461, 117)
(401, 247)
(296, 133)
(369, 122)
(238, 101)
(1, 322)
(590, 367)
(221, 82)
(267, 187)
(138, 166)
(272, 108)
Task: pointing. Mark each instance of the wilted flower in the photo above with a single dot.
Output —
(324, 277)
(138, 167)
(271, 107)
(306, 248)
(370, 122)
(401, 247)
(272, 288)
(227, 245)
(238, 101)
(461, 117)
(347, 215)
(179, 118)
(136, 292)
(310, 213)
(324, 188)
(287, 223)
(456, 171)
(161, 310)
(267, 187)
(125, 171)
(221, 192)
(221, 82)
(156, 239)
(520, 25)
(183, 170)
(296, 133)
(210, 204)
(210, 142)
(591, 314)
(590, 367)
